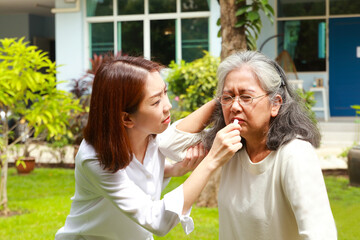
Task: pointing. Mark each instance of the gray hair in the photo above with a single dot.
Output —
(293, 120)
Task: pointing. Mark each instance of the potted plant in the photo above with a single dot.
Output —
(354, 153)
(28, 95)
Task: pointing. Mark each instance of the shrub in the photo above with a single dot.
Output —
(192, 84)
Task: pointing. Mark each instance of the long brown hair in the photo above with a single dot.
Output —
(118, 87)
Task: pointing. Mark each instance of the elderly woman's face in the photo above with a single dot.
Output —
(254, 117)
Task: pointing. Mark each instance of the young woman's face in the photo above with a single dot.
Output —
(153, 114)
(254, 117)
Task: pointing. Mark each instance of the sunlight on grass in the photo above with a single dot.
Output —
(345, 205)
(43, 198)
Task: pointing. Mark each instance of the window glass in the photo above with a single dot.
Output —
(162, 41)
(344, 7)
(194, 5)
(126, 7)
(290, 8)
(101, 38)
(194, 40)
(161, 6)
(305, 42)
(131, 38)
(99, 8)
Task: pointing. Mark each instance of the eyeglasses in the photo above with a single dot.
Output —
(243, 99)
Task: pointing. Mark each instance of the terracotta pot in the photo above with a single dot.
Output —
(29, 165)
(354, 166)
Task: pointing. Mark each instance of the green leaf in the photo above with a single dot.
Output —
(240, 23)
(242, 10)
(252, 16)
(357, 107)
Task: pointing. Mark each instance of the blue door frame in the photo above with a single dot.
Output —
(344, 65)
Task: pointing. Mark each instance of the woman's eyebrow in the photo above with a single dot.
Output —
(241, 91)
(156, 95)
(159, 93)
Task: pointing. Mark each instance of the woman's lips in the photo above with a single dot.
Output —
(237, 121)
(167, 120)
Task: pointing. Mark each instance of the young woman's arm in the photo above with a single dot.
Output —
(179, 138)
(193, 157)
(226, 144)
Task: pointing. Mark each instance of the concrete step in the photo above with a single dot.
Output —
(339, 132)
(339, 127)
(341, 138)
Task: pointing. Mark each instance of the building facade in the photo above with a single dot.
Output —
(321, 36)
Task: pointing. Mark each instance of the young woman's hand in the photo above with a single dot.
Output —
(226, 143)
(194, 156)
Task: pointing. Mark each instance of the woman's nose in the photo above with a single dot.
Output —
(167, 105)
(236, 105)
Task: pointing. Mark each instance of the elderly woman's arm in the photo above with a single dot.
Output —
(176, 140)
(198, 119)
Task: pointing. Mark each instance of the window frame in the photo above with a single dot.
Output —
(146, 18)
(325, 17)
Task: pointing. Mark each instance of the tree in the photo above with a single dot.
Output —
(240, 27)
(28, 94)
(241, 24)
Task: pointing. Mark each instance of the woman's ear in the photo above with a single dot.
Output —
(126, 119)
(277, 102)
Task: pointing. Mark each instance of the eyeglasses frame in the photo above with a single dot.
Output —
(239, 99)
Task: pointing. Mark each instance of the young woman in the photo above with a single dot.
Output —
(119, 168)
(273, 187)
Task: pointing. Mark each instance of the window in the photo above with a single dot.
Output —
(161, 6)
(302, 29)
(290, 8)
(300, 35)
(126, 7)
(130, 39)
(305, 42)
(159, 30)
(194, 5)
(99, 8)
(102, 40)
(194, 38)
(162, 40)
(344, 7)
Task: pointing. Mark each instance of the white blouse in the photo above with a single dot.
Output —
(126, 204)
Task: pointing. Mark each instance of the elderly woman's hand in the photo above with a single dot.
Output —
(226, 143)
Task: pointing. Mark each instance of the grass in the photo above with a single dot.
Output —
(345, 206)
(43, 200)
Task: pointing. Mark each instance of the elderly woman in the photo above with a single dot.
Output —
(272, 188)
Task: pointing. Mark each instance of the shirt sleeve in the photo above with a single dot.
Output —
(304, 186)
(174, 143)
(157, 216)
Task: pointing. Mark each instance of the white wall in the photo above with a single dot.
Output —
(69, 33)
(215, 41)
(268, 30)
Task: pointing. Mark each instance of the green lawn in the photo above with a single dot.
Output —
(43, 199)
